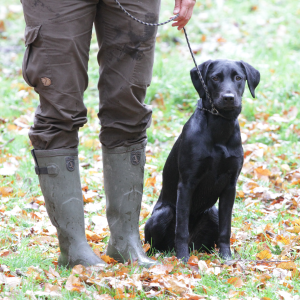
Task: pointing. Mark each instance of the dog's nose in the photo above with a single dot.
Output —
(228, 97)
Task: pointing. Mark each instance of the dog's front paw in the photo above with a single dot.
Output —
(183, 254)
(225, 253)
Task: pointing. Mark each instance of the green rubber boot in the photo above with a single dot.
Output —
(59, 178)
(123, 169)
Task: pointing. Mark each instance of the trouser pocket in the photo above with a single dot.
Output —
(31, 34)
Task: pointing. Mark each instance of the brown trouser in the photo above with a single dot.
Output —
(57, 36)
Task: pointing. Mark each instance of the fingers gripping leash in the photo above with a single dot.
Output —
(213, 110)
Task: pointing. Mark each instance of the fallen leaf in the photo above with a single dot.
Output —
(124, 296)
(285, 167)
(295, 229)
(10, 281)
(193, 260)
(150, 181)
(6, 191)
(202, 266)
(52, 288)
(108, 260)
(264, 255)
(104, 297)
(236, 282)
(92, 236)
(146, 247)
(5, 252)
(74, 284)
(161, 269)
(287, 265)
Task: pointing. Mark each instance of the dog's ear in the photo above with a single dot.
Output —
(253, 77)
(195, 77)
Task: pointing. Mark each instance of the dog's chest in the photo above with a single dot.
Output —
(218, 172)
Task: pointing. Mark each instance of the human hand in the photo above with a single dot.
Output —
(185, 10)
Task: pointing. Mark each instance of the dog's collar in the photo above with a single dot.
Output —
(213, 111)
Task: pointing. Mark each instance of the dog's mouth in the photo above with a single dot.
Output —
(229, 103)
(227, 108)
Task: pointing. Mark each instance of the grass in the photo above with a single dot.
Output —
(262, 33)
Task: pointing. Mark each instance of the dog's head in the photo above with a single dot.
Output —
(225, 80)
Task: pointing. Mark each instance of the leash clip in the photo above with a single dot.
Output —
(214, 111)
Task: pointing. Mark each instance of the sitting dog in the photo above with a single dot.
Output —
(203, 166)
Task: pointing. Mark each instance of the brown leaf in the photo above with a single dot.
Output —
(193, 260)
(174, 286)
(42, 240)
(52, 274)
(34, 273)
(162, 269)
(51, 288)
(92, 236)
(6, 191)
(78, 269)
(236, 282)
(122, 271)
(192, 296)
(263, 278)
(92, 144)
(295, 273)
(124, 296)
(146, 247)
(5, 252)
(249, 187)
(262, 172)
(287, 265)
(150, 181)
(282, 239)
(233, 293)
(10, 281)
(263, 255)
(221, 40)
(2, 26)
(159, 101)
(34, 216)
(295, 229)
(240, 194)
(144, 214)
(108, 260)
(104, 297)
(74, 284)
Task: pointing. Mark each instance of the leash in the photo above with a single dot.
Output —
(213, 110)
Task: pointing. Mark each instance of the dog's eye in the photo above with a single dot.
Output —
(238, 78)
(215, 78)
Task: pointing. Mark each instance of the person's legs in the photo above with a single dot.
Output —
(57, 37)
(125, 58)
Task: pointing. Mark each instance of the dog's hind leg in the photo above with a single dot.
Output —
(205, 233)
(160, 228)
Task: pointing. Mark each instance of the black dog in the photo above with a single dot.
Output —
(203, 166)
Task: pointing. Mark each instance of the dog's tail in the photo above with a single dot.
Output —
(206, 232)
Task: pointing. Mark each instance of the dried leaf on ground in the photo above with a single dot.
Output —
(264, 255)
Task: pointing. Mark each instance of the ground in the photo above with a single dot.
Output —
(266, 225)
